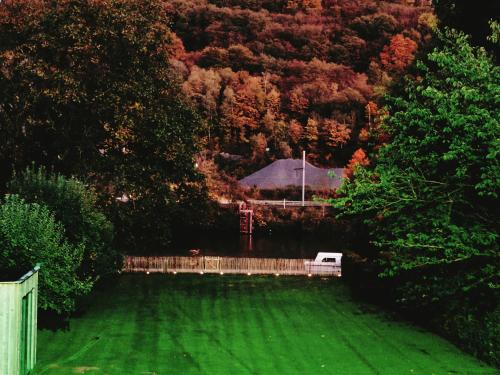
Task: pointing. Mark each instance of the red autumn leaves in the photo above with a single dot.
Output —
(398, 54)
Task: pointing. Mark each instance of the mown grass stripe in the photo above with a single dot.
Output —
(220, 325)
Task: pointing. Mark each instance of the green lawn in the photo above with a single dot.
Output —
(193, 324)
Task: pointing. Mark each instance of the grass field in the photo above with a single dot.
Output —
(193, 324)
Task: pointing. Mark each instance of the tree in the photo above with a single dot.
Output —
(373, 26)
(87, 87)
(285, 150)
(428, 21)
(259, 144)
(358, 159)
(74, 207)
(371, 112)
(250, 105)
(304, 5)
(471, 17)
(241, 108)
(398, 54)
(295, 131)
(311, 133)
(204, 88)
(298, 102)
(336, 134)
(241, 58)
(214, 57)
(319, 58)
(442, 161)
(29, 234)
(430, 200)
(363, 135)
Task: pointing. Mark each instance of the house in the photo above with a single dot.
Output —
(287, 173)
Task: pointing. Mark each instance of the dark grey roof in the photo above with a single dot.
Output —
(288, 173)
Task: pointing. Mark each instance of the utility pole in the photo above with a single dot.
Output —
(303, 177)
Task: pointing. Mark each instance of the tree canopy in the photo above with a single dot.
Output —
(429, 198)
(286, 70)
(87, 87)
(472, 17)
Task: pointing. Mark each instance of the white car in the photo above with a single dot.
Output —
(325, 263)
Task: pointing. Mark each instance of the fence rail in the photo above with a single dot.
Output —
(229, 265)
(286, 203)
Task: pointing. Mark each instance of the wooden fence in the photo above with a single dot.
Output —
(286, 203)
(227, 265)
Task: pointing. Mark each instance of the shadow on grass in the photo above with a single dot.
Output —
(53, 321)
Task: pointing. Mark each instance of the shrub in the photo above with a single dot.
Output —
(29, 234)
(74, 206)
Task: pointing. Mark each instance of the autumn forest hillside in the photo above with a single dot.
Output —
(110, 109)
(277, 77)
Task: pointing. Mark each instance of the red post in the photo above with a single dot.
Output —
(246, 221)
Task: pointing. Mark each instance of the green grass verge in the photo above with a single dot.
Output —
(193, 324)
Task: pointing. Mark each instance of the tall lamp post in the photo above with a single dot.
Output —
(303, 177)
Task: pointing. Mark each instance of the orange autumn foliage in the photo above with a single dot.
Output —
(287, 67)
(295, 131)
(336, 134)
(304, 5)
(358, 158)
(364, 135)
(398, 54)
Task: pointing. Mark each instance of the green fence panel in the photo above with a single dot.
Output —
(18, 321)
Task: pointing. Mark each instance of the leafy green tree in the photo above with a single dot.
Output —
(74, 206)
(472, 17)
(87, 87)
(29, 234)
(430, 197)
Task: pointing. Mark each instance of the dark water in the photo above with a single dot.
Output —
(270, 245)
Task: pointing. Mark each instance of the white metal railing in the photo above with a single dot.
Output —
(287, 203)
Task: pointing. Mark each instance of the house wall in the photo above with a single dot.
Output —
(11, 297)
